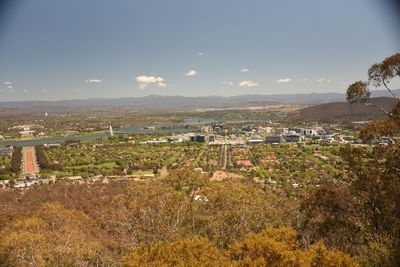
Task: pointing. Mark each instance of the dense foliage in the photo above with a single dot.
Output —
(271, 247)
(122, 222)
(43, 161)
(16, 160)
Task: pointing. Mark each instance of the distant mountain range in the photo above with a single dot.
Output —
(337, 111)
(158, 102)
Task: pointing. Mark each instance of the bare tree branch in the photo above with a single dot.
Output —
(379, 107)
(393, 94)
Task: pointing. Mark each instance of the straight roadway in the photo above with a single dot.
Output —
(30, 165)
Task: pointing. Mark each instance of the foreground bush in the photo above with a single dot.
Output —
(53, 236)
(272, 247)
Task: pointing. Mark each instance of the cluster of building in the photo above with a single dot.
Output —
(269, 135)
(6, 152)
(28, 182)
(25, 130)
(300, 134)
(31, 180)
(217, 135)
(187, 137)
(384, 140)
(190, 137)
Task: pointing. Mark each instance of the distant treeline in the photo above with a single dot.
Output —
(16, 160)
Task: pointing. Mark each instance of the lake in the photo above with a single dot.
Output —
(180, 127)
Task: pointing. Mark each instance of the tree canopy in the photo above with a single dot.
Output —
(379, 75)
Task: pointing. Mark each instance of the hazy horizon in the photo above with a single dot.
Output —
(375, 93)
(171, 95)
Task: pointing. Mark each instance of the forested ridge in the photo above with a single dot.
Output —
(156, 222)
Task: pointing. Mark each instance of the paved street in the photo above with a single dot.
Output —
(29, 160)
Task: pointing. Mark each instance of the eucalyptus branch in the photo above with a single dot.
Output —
(379, 107)
(390, 91)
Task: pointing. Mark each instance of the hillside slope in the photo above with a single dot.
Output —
(337, 111)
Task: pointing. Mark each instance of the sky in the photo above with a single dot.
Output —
(75, 49)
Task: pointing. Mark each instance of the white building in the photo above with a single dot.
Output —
(310, 132)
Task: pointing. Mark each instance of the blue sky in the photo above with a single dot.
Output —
(67, 49)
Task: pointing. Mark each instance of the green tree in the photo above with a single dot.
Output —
(379, 74)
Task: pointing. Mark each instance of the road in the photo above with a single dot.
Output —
(29, 160)
(223, 156)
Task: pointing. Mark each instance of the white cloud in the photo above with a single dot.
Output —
(191, 73)
(8, 83)
(148, 79)
(244, 70)
(200, 54)
(227, 82)
(10, 87)
(93, 81)
(248, 84)
(25, 91)
(304, 80)
(286, 80)
(323, 80)
(145, 81)
(44, 90)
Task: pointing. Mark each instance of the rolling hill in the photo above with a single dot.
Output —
(338, 111)
(157, 102)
